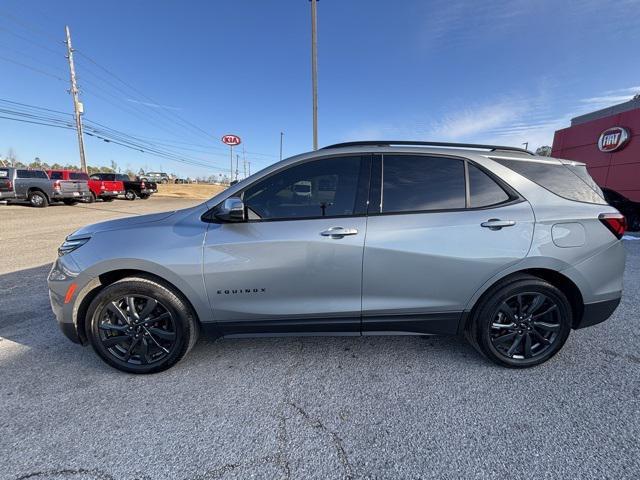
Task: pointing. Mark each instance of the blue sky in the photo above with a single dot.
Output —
(480, 71)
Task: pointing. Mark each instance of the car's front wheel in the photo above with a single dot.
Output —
(522, 322)
(139, 325)
(130, 195)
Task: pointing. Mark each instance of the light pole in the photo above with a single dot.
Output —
(314, 69)
(281, 135)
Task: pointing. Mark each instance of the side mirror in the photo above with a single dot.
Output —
(231, 210)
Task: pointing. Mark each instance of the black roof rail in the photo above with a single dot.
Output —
(388, 143)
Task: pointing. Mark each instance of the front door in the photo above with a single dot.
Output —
(296, 264)
(434, 238)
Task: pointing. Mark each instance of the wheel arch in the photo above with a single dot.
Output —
(107, 278)
(38, 189)
(554, 277)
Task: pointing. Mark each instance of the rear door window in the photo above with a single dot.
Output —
(78, 176)
(413, 183)
(558, 179)
(56, 176)
(24, 174)
(483, 190)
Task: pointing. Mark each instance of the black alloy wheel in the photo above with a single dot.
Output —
(140, 325)
(137, 329)
(521, 322)
(525, 326)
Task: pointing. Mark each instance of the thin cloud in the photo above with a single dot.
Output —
(153, 105)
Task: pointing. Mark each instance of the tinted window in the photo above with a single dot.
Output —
(483, 190)
(55, 176)
(24, 174)
(78, 176)
(318, 188)
(412, 183)
(558, 179)
(122, 178)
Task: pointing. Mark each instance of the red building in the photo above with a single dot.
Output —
(608, 141)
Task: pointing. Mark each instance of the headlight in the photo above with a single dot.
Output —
(70, 245)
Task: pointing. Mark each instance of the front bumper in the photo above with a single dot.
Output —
(65, 287)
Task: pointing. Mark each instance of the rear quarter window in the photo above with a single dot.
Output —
(559, 179)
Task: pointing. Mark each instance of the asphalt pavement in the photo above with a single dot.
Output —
(302, 408)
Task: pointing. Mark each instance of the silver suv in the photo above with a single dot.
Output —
(510, 249)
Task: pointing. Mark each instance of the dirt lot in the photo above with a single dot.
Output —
(193, 191)
(301, 408)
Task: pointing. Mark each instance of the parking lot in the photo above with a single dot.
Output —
(301, 408)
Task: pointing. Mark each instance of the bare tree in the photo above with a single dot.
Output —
(12, 158)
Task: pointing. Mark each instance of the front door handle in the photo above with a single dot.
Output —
(339, 232)
(497, 224)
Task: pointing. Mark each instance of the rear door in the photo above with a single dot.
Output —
(296, 264)
(427, 250)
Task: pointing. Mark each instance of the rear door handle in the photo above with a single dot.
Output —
(339, 232)
(497, 224)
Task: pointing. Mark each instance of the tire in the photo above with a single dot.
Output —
(38, 199)
(164, 181)
(130, 195)
(68, 201)
(107, 199)
(92, 198)
(144, 196)
(176, 334)
(534, 330)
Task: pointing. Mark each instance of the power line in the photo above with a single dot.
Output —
(35, 69)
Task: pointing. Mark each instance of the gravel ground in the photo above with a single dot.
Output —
(304, 408)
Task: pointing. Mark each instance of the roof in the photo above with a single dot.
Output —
(607, 112)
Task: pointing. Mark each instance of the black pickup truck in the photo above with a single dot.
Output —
(132, 188)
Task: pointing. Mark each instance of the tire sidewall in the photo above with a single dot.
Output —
(43, 202)
(486, 312)
(130, 195)
(183, 322)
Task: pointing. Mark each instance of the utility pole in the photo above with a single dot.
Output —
(77, 106)
(244, 163)
(237, 160)
(249, 167)
(281, 135)
(314, 70)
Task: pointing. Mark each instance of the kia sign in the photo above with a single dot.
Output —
(231, 140)
(613, 139)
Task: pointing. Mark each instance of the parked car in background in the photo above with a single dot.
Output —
(158, 177)
(132, 188)
(40, 190)
(181, 180)
(508, 248)
(105, 190)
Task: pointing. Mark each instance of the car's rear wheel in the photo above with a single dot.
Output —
(91, 198)
(130, 195)
(139, 325)
(521, 323)
(38, 199)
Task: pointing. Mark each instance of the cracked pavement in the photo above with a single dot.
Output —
(315, 407)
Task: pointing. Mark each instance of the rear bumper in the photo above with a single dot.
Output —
(7, 195)
(111, 193)
(148, 191)
(70, 195)
(597, 312)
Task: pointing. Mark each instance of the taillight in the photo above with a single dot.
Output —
(102, 187)
(56, 185)
(142, 185)
(615, 222)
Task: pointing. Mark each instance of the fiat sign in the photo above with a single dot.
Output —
(613, 139)
(231, 140)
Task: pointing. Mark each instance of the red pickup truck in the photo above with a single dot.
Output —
(107, 190)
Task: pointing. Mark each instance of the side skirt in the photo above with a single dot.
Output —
(441, 323)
